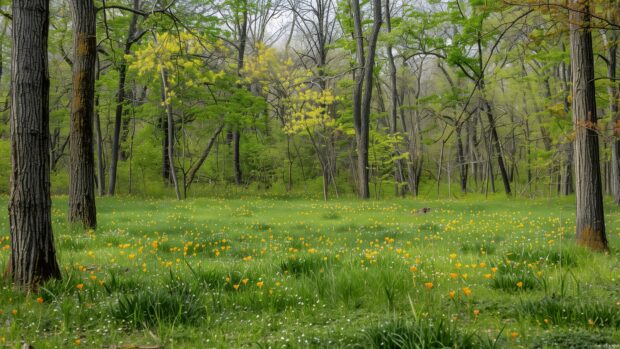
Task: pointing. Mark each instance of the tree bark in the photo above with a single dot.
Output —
(590, 221)
(82, 159)
(33, 255)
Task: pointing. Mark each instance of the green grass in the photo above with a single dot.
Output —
(297, 272)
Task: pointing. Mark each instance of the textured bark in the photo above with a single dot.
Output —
(590, 221)
(362, 92)
(82, 160)
(120, 100)
(33, 256)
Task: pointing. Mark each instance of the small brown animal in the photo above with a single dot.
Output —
(422, 210)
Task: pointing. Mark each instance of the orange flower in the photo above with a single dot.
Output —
(467, 291)
(40, 300)
(514, 335)
(245, 281)
(260, 284)
(155, 244)
(454, 275)
(14, 311)
(451, 294)
(494, 269)
(236, 287)
(428, 285)
(476, 312)
(79, 286)
(520, 284)
(413, 268)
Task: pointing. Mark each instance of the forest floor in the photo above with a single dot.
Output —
(274, 272)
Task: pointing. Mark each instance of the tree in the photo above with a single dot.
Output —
(132, 38)
(82, 161)
(33, 256)
(590, 219)
(362, 90)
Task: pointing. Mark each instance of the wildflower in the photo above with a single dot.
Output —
(488, 276)
(547, 321)
(77, 341)
(155, 244)
(458, 265)
(476, 312)
(79, 286)
(413, 268)
(260, 284)
(40, 300)
(494, 269)
(454, 275)
(14, 311)
(514, 335)
(428, 285)
(451, 294)
(520, 284)
(236, 287)
(245, 281)
(452, 255)
(591, 322)
(483, 264)
(467, 291)
(465, 276)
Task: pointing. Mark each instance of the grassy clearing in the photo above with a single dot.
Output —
(261, 272)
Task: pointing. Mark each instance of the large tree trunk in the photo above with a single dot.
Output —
(362, 93)
(82, 160)
(590, 220)
(33, 256)
(120, 100)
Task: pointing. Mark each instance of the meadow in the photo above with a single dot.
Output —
(262, 271)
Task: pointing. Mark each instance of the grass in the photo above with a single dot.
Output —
(303, 273)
